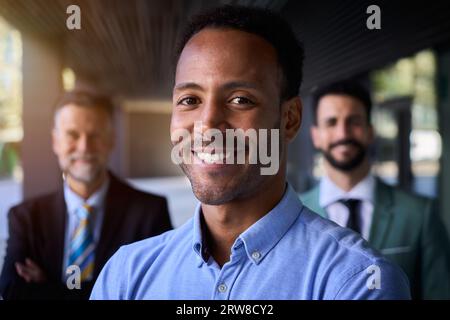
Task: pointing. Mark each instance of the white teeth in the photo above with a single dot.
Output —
(211, 158)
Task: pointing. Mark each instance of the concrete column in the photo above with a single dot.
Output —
(42, 84)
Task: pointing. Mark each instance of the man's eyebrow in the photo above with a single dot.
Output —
(356, 115)
(351, 116)
(187, 85)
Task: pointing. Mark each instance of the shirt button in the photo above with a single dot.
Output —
(222, 288)
(256, 255)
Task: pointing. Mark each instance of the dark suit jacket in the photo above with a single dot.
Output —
(37, 229)
(408, 230)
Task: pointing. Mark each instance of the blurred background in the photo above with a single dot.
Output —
(125, 48)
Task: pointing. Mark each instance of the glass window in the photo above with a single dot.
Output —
(10, 102)
(413, 77)
(11, 131)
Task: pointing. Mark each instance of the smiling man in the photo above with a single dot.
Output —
(405, 227)
(250, 238)
(64, 238)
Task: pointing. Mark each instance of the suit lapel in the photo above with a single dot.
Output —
(311, 200)
(318, 208)
(382, 215)
(112, 220)
(54, 230)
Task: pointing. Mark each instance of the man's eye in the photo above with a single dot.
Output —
(241, 100)
(356, 122)
(189, 101)
(330, 123)
(71, 135)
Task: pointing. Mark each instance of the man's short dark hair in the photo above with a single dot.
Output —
(85, 99)
(346, 87)
(264, 23)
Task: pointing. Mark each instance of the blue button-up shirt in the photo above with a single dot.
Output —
(290, 253)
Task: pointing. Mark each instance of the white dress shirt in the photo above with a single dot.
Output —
(330, 194)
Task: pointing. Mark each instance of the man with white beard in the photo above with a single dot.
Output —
(59, 242)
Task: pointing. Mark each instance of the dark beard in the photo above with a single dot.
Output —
(350, 164)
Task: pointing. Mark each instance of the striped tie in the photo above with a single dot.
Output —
(82, 244)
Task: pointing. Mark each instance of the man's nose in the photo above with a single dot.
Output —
(343, 130)
(84, 143)
(213, 115)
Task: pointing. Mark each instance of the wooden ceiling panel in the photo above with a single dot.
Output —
(123, 47)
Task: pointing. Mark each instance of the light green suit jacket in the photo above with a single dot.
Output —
(407, 229)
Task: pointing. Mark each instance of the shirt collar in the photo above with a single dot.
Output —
(264, 234)
(331, 193)
(96, 200)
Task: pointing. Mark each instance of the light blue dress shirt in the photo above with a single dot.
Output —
(290, 253)
(73, 203)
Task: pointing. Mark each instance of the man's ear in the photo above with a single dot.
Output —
(292, 113)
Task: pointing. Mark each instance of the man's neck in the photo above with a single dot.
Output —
(86, 190)
(224, 223)
(347, 180)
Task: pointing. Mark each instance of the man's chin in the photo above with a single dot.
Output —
(212, 193)
(345, 165)
(216, 197)
(85, 177)
(217, 188)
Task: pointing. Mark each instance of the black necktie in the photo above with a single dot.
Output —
(354, 219)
